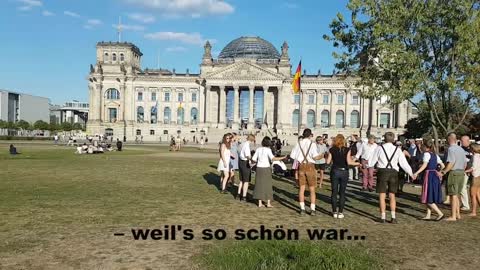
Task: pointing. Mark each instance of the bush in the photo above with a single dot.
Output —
(15, 138)
(284, 255)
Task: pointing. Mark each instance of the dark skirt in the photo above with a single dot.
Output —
(432, 188)
(263, 184)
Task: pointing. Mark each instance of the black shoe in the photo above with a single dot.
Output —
(236, 196)
(313, 213)
(224, 192)
(302, 212)
(382, 220)
(394, 221)
(370, 189)
(243, 199)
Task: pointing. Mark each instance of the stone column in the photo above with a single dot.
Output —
(283, 108)
(251, 122)
(347, 113)
(265, 108)
(332, 113)
(236, 107)
(93, 93)
(100, 101)
(374, 113)
(223, 106)
(402, 114)
(208, 106)
(318, 110)
(201, 100)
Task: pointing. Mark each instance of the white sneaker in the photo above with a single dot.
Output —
(340, 215)
(465, 209)
(335, 215)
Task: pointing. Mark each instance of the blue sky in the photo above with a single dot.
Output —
(48, 45)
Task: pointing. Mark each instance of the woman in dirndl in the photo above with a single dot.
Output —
(432, 183)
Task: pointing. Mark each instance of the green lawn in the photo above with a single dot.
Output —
(59, 210)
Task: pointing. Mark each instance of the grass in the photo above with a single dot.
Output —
(59, 210)
(284, 255)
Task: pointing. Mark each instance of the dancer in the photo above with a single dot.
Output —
(320, 164)
(263, 156)
(456, 169)
(305, 153)
(341, 156)
(475, 170)
(295, 165)
(432, 184)
(245, 157)
(389, 157)
(365, 154)
(465, 141)
(224, 162)
(234, 158)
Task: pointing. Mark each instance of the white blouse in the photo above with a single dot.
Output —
(476, 165)
(263, 157)
(426, 158)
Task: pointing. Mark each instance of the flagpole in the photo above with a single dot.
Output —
(300, 100)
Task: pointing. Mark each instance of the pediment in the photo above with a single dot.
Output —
(244, 71)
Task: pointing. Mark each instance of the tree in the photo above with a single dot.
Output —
(427, 50)
(474, 124)
(53, 126)
(77, 126)
(66, 126)
(3, 124)
(22, 124)
(40, 125)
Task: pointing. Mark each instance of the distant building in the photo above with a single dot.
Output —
(16, 106)
(72, 112)
(247, 88)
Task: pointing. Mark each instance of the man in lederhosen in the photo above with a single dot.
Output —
(305, 153)
(388, 157)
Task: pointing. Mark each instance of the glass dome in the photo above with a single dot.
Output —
(249, 47)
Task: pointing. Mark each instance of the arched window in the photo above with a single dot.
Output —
(167, 113)
(339, 119)
(355, 119)
(153, 115)
(194, 116)
(112, 93)
(325, 121)
(180, 116)
(140, 114)
(105, 57)
(295, 117)
(310, 119)
(122, 57)
(114, 57)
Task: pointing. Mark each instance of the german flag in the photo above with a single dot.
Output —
(296, 79)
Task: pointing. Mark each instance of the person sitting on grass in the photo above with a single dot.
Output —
(432, 183)
(13, 150)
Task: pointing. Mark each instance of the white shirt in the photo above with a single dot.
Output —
(427, 156)
(322, 149)
(476, 165)
(262, 156)
(245, 152)
(398, 158)
(304, 144)
(366, 151)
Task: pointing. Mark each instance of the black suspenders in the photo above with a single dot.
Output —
(389, 159)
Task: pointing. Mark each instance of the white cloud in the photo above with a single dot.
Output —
(188, 38)
(29, 4)
(290, 5)
(47, 13)
(91, 23)
(71, 14)
(181, 8)
(130, 27)
(176, 49)
(143, 18)
(94, 22)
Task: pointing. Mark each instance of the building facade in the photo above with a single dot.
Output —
(16, 106)
(248, 87)
(71, 112)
